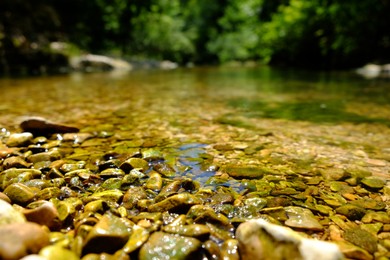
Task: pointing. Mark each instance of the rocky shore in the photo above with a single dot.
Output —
(65, 194)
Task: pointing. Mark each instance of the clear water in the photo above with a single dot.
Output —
(245, 116)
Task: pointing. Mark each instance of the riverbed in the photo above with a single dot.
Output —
(295, 129)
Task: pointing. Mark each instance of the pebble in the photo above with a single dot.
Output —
(301, 218)
(57, 253)
(361, 238)
(20, 239)
(19, 193)
(168, 246)
(4, 197)
(9, 214)
(19, 139)
(352, 212)
(43, 213)
(373, 183)
(374, 216)
(245, 172)
(108, 235)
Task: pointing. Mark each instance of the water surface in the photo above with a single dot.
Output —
(241, 115)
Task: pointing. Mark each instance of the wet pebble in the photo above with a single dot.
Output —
(20, 193)
(19, 139)
(43, 213)
(138, 237)
(9, 214)
(376, 216)
(162, 245)
(109, 235)
(194, 230)
(373, 182)
(244, 172)
(361, 238)
(4, 197)
(54, 252)
(15, 162)
(154, 182)
(301, 218)
(352, 212)
(176, 203)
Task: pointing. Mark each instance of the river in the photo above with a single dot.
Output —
(293, 129)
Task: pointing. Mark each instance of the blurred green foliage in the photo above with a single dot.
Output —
(315, 33)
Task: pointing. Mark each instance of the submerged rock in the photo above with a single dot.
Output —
(40, 126)
(259, 239)
(19, 193)
(168, 246)
(361, 238)
(108, 235)
(301, 218)
(245, 172)
(43, 213)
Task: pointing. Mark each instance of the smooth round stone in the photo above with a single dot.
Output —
(19, 193)
(161, 245)
(335, 174)
(43, 213)
(111, 173)
(109, 235)
(373, 183)
(109, 195)
(15, 162)
(20, 239)
(4, 197)
(45, 156)
(245, 172)
(301, 218)
(138, 163)
(9, 214)
(19, 139)
(179, 202)
(154, 182)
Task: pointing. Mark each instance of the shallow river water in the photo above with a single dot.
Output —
(243, 108)
(295, 129)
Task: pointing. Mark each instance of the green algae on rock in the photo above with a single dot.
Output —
(246, 172)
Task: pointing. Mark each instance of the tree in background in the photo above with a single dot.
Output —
(321, 33)
(326, 33)
(239, 31)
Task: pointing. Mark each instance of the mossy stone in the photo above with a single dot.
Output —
(361, 238)
(352, 212)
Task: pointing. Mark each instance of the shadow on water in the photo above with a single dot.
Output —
(329, 111)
